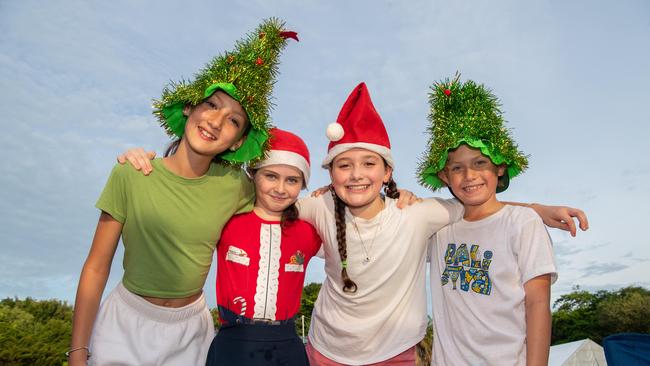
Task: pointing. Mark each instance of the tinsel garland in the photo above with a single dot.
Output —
(466, 113)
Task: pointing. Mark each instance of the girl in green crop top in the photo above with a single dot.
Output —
(170, 222)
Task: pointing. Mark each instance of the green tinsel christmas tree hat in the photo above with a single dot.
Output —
(247, 74)
(467, 113)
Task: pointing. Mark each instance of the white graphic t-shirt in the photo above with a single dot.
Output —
(478, 272)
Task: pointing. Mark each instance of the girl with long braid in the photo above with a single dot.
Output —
(390, 190)
(372, 305)
(371, 308)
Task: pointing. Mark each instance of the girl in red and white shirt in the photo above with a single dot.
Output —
(261, 261)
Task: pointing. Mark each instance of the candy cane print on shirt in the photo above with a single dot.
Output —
(242, 301)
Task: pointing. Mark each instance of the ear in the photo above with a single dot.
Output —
(187, 110)
(238, 144)
(389, 174)
(443, 177)
(501, 170)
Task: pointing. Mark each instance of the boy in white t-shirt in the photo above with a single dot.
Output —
(491, 272)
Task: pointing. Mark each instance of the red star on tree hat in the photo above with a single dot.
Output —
(358, 126)
(289, 149)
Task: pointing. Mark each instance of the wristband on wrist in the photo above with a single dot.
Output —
(67, 354)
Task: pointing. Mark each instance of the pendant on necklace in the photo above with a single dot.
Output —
(366, 260)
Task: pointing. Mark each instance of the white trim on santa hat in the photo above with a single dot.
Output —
(341, 148)
(285, 157)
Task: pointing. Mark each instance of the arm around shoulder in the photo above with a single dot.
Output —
(453, 207)
(559, 217)
(311, 208)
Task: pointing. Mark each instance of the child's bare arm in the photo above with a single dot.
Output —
(559, 217)
(538, 319)
(91, 285)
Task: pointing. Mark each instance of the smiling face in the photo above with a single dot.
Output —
(215, 125)
(357, 177)
(276, 188)
(473, 178)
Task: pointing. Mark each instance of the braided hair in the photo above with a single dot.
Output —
(390, 190)
(339, 214)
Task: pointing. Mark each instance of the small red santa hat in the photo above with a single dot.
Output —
(289, 149)
(358, 126)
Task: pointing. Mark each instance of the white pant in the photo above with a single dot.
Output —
(129, 330)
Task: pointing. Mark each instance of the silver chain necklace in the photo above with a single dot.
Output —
(367, 250)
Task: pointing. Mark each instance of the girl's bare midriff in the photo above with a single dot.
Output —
(173, 303)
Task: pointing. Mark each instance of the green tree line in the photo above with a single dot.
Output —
(583, 314)
(34, 332)
(37, 332)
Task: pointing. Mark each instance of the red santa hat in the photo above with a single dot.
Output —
(358, 126)
(289, 149)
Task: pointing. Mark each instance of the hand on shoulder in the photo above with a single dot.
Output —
(407, 198)
(139, 159)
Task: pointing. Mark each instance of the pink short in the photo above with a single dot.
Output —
(317, 359)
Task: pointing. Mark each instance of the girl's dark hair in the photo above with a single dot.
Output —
(390, 190)
(339, 214)
(289, 216)
(173, 146)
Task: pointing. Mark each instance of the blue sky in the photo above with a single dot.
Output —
(77, 78)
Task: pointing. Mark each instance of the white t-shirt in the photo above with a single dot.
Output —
(387, 314)
(478, 272)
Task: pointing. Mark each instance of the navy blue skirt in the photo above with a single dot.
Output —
(258, 344)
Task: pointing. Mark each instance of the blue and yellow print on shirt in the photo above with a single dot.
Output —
(465, 268)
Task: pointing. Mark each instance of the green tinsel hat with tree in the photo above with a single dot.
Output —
(247, 74)
(467, 113)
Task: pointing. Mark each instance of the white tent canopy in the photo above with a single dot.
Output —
(584, 352)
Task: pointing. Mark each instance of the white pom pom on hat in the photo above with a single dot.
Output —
(334, 131)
